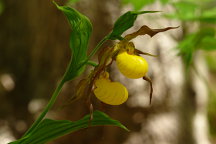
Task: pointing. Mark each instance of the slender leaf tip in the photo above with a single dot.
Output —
(58, 7)
(97, 113)
(143, 12)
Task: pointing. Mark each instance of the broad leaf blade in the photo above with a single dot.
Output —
(51, 129)
(125, 22)
(81, 31)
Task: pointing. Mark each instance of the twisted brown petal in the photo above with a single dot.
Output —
(146, 30)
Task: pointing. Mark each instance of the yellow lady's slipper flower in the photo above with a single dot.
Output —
(113, 93)
(131, 65)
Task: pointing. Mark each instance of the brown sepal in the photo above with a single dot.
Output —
(151, 91)
(144, 53)
(146, 30)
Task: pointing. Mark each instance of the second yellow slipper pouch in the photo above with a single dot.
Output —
(113, 93)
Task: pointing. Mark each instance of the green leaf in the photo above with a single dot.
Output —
(49, 129)
(196, 41)
(125, 22)
(138, 4)
(92, 63)
(164, 1)
(72, 1)
(185, 10)
(206, 39)
(81, 31)
(208, 16)
(208, 43)
(186, 48)
(193, 11)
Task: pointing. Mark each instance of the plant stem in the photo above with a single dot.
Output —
(46, 109)
(97, 47)
(92, 63)
(59, 87)
(93, 52)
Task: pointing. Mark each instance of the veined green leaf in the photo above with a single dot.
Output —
(49, 129)
(125, 22)
(81, 31)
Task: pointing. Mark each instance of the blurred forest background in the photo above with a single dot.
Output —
(34, 53)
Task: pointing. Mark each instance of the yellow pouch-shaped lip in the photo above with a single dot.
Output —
(131, 66)
(113, 93)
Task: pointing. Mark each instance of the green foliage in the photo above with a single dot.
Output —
(193, 11)
(208, 43)
(81, 31)
(164, 1)
(138, 4)
(203, 39)
(49, 129)
(208, 15)
(184, 11)
(187, 47)
(125, 22)
(73, 1)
